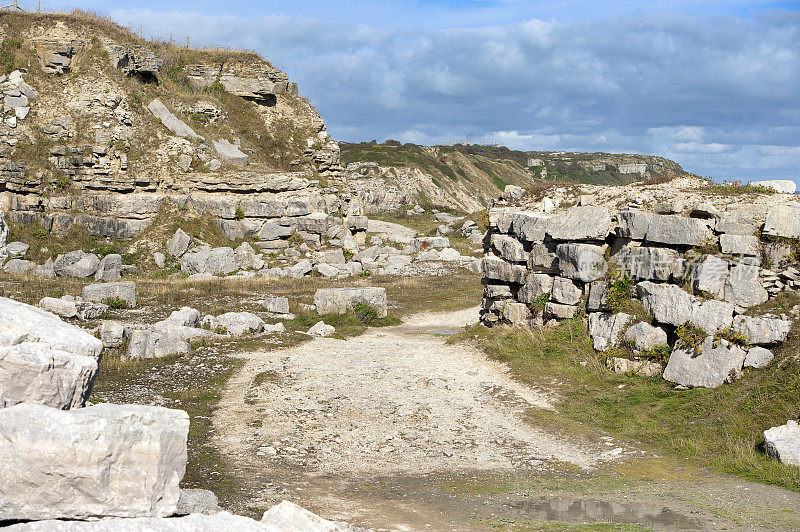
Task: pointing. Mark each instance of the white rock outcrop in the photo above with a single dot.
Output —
(103, 460)
(783, 443)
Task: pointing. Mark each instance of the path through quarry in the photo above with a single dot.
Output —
(369, 429)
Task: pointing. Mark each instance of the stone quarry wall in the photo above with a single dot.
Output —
(80, 143)
(703, 268)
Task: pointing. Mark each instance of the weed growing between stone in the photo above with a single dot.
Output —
(719, 428)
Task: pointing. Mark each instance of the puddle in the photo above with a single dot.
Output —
(596, 511)
(435, 330)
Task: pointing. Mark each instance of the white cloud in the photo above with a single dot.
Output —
(718, 94)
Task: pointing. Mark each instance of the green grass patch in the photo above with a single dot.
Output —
(720, 428)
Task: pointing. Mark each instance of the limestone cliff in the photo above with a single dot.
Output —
(99, 127)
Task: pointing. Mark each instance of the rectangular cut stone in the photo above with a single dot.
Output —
(583, 262)
(740, 245)
(529, 226)
(500, 270)
(340, 300)
(580, 223)
(103, 460)
(509, 248)
(677, 230)
(783, 220)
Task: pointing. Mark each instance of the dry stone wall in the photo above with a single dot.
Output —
(699, 271)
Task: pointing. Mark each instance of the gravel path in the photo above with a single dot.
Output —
(394, 400)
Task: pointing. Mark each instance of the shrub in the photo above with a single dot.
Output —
(619, 295)
(116, 303)
(541, 301)
(731, 336)
(691, 336)
(295, 239)
(239, 215)
(365, 313)
(660, 353)
(40, 234)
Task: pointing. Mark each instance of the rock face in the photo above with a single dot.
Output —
(106, 460)
(783, 443)
(711, 367)
(340, 300)
(23, 323)
(125, 291)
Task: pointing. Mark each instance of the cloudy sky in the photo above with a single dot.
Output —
(712, 84)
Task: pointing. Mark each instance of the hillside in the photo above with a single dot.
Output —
(466, 177)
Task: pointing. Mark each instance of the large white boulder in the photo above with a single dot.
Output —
(715, 363)
(122, 290)
(783, 443)
(340, 300)
(784, 186)
(235, 323)
(24, 323)
(218, 261)
(103, 460)
(33, 372)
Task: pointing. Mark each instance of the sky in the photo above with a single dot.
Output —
(711, 84)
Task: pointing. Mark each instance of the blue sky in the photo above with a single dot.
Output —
(714, 85)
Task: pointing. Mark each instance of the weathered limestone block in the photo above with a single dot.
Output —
(112, 334)
(124, 290)
(235, 323)
(668, 303)
(246, 258)
(19, 267)
(497, 291)
(580, 223)
(103, 460)
(185, 317)
(783, 443)
(289, 517)
(784, 186)
(24, 323)
(529, 226)
(542, 257)
(598, 296)
(758, 357)
(762, 331)
(710, 276)
(559, 311)
(711, 315)
(677, 230)
(711, 367)
(743, 286)
(340, 300)
(109, 269)
(218, 261)
(46, 270)
(172, 122)
(230, 153)
(33, 372)
(644, 336)
(178, 244)
(63, 308)
(583, 262)
(500, 270)
(197, 501)
(606, 329)
(634, 224)
(76, 264)
(647, 263)
(517, 314)
(536, 284)
(736, 223)
(783, 220)
(509, 248)
(740, 245)
(564, 291)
